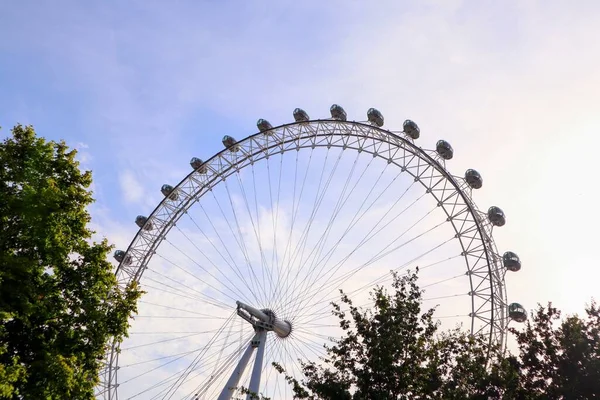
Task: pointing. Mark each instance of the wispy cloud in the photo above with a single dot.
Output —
(512, 86)
(131, 188)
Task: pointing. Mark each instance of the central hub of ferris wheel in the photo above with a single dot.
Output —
(264, 320)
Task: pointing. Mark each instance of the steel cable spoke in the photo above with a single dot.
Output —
(369, 235)
(236, 270)
(382, 253)
(337, 208)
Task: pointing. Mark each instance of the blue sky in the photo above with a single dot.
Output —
(145, 86)
(142, 86)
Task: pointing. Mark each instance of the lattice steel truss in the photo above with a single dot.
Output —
(483, 264)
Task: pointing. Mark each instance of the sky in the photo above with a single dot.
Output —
(140, 87)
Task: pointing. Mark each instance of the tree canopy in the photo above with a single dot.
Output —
(559, 359)
(59, 299)
(394, 350)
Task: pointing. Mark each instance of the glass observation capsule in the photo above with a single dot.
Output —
(375, 117)
(337, 112)
(264, 125)
(511, 261)
(496, 216)
(444, 149)
(300, 115)
(168, 191)
(198, 164)
(230, 143)
(411, 129)
(122, 257)
(143, 223)
(474, 179)
(517, 312)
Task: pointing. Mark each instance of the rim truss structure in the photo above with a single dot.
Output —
(472, 227)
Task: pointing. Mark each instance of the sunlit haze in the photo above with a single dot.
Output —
(141, 87)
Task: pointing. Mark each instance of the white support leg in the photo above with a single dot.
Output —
(234, 379)
(257, 369)
(263, 321)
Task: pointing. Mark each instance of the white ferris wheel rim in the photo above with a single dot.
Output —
(483, 264)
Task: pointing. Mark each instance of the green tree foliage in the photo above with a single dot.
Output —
(59, 300)
(10, 374)
(395, 351)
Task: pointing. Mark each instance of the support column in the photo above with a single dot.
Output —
(257, 369)
(234, 379)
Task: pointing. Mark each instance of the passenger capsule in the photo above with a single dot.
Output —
(375, 117)
(473, 179)
(264, 125)
(300, 115)
(337, 112)
(198, 165)
(122, 257)
(496, 216)
(517, 312)
(444, 149)
(511, 261)
(143, 223)
(411, 129)
(168, 191)
(230, 143)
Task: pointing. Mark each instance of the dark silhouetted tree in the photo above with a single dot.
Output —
(559, 359)
(394, 351)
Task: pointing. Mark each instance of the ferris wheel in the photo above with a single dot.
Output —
(241, 260)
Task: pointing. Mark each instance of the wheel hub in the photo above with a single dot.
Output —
(265, 320)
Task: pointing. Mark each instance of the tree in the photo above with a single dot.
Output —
(394, 351)
(9, 375)
(59, 299)
(560, 359)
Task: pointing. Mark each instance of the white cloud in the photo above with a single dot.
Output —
(84, 156)
(131, 189)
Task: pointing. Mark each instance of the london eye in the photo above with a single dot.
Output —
(242, 258)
